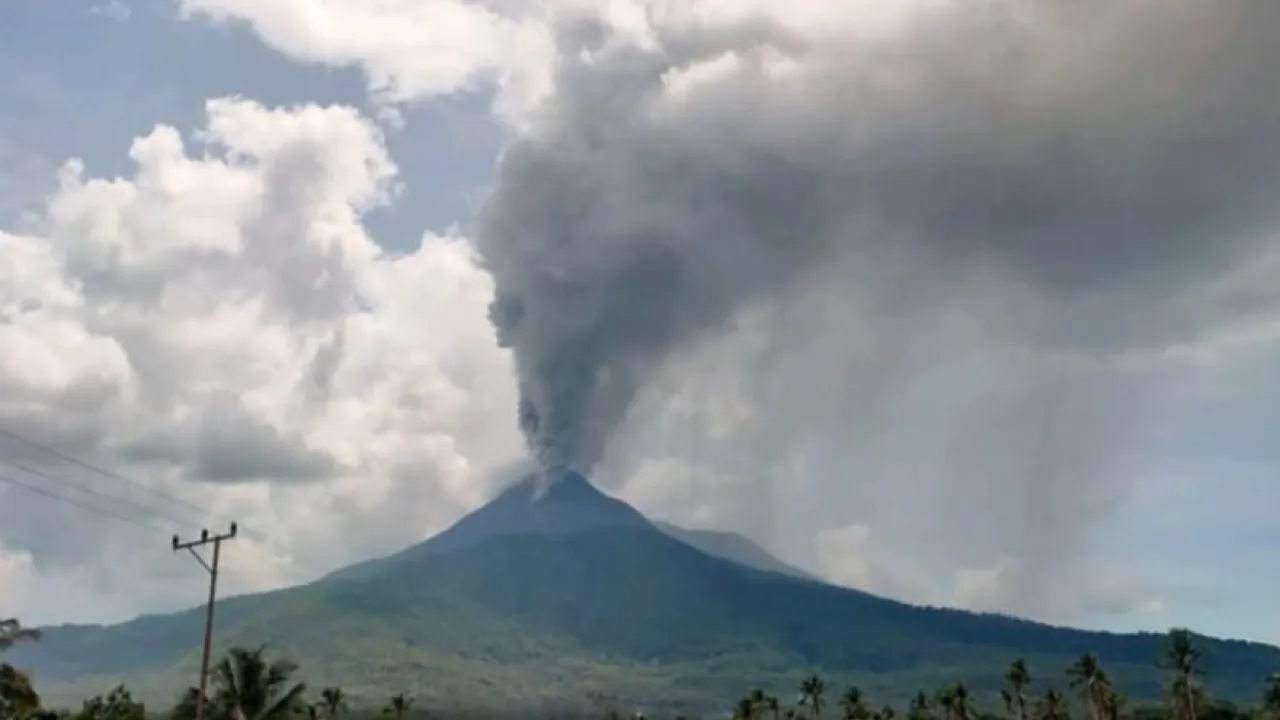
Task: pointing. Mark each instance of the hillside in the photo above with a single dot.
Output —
(732, 547)
(622, 609)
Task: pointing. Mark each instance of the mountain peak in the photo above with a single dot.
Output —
(574, 483)
(550, 503)
(564, 504)
(542, 485)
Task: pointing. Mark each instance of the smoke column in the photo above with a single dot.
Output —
(1095, 164)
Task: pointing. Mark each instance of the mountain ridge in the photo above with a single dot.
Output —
(735, 548)
(605, 602)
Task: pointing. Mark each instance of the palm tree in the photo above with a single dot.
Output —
(1052, 706)
(334, 702)
(399, 706)
(962, 702)
(919, 708)
(252, 688)
(1088, 677)
(12, 633)
(116, 705)
(1183, 657)
(185, 708)
(1016, 679)
(946, 700)
(1271, 698)
(812, 690)
(853, 705)
(746, 709)
(956, 702)
(773, 706)
(1186, 699)
(1112, 705)
(759, 701)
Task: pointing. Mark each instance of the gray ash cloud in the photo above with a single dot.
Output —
(1109, 164)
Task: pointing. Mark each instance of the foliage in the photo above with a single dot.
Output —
(12, 633)
(17, 696)
(249, 684)
(115, 705)
(628, 615)
(399, 706)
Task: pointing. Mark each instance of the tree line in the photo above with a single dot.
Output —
(248, 684)
(1086, 691)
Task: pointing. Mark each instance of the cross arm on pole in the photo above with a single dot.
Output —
(204, 539)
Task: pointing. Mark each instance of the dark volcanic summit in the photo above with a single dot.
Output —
(569, 505)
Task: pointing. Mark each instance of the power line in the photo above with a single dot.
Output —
(152, 513)
(147, 522)
(204, 511)
(33, 488)
(103, 471)
(84, 488)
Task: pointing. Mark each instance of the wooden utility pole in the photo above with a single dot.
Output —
(212, 568)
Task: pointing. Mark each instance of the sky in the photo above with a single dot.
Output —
(973, 304)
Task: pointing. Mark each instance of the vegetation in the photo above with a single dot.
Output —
(563, 618)
(250, 684)
(12, 633)
(629, 618)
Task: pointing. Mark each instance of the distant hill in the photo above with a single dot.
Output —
(559, 597)
(733, 547)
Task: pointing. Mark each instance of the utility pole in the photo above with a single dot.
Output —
(212, 568)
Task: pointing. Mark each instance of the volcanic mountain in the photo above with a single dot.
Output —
(552, 596)
(569, 506)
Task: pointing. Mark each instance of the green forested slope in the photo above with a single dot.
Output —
(620, 612)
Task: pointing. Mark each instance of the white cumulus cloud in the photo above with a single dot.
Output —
(1030, 204)
(220, 325)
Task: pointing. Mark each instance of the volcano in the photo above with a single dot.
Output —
(547, 597)
(569, 505)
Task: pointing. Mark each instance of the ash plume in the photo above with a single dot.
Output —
(1099, 170)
